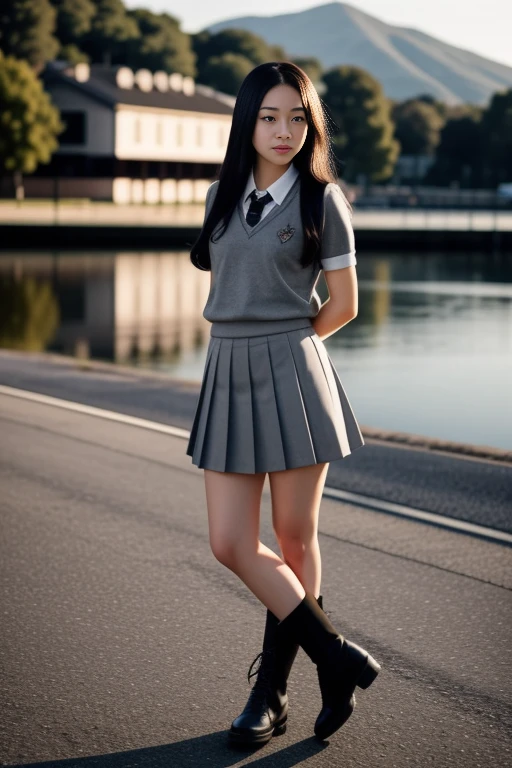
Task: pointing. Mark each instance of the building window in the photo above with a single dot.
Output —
(74, 132)
(137, 133)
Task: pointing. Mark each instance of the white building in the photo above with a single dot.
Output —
(133, 136)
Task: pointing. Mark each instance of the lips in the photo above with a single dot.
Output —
(282, 146)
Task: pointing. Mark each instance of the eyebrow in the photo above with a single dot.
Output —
(276, 109)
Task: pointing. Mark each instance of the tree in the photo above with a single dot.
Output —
(226, 72)
(72, 54)
(363, 134)
(237, 42)
(29, 123)
(441, 107)
(311, 66)
(277, 53)
(111, 26)
(497, 139)
(161, 44)
(74, 19)
(417, 126)
(459, 154)
(29, 313)
(26, 31)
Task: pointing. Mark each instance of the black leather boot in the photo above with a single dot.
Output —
(266, 711)
(341, 665)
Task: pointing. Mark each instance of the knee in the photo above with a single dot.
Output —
(296, 543)
(224, 550)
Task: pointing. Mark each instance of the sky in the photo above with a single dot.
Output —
(481, 27)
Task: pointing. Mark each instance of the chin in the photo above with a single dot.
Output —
(281, 159)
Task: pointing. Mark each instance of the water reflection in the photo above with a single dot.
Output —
(29, 313)
(127, 307)
(429, 352)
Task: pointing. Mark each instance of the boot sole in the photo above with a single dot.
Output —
(366, 677)
(260, 738)
(334, 725)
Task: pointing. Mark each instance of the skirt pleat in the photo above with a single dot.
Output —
(241, 412)
(354, 434)
(296, 435)
(338, 417)
(203, 409)
(269, 403)
(215, 441)
(266, 427)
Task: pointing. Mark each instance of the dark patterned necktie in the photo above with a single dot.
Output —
(256, 207)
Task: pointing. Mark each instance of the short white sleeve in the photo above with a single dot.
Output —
(338, 248)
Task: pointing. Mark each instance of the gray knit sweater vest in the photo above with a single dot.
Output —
(256, 271)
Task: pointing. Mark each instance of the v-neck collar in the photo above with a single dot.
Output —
(273, 213)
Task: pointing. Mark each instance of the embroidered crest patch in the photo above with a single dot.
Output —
(285, 233)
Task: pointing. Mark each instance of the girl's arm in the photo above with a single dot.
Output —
(342, 304)
(338, 259)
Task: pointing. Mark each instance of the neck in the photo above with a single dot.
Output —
(266, 173)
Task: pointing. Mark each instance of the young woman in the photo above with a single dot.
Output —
(271, 400)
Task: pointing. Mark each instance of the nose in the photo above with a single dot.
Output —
(283, 131)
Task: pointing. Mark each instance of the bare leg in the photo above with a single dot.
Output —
(233, 501)
(296, 497)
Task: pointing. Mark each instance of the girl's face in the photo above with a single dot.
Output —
(281, 125)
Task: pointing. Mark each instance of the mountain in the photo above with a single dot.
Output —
(406, 61)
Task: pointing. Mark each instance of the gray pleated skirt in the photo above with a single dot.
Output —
(270, 399)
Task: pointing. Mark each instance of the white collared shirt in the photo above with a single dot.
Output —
(279, 189)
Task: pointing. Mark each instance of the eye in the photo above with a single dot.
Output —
(271, 117)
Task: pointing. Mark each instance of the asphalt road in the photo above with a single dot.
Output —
(476, 491)
(125, 643)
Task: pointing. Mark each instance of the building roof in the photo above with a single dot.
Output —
(101, 85)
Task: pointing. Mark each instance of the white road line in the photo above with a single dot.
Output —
(90, 410)
(378, 505)
(401, 510)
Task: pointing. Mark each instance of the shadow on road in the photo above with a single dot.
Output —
(212, 750)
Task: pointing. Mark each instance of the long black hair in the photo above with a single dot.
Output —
(315, 161)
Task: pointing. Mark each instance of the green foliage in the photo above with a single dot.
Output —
(72, 54)
(363, 139)
(74, 19)
(497, 139)
(221, 47)
(29, 314)
(439, 106)
(26, 31)
(277, 53)
(110, 28)
(226, 72)
(473, 146)
(459, 154)
(161, 44)
(418, 126)
(29, 123)
(476, 145)
(311, 66)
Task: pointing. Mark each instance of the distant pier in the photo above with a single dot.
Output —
(87, 225)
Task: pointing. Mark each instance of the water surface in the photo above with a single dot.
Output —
(430, 351)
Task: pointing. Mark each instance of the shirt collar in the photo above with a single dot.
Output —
(279, 189)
